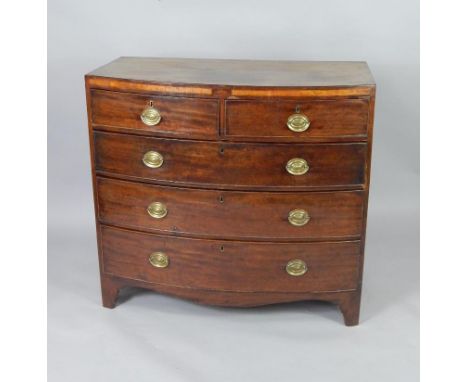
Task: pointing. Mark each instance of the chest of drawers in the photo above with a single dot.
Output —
(229, 182)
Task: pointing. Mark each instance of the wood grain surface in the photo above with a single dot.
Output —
(267, 119)
(231, 265)
(230, 214)
(238, 72)
(225, 144)
(231, 165)
(181, 116)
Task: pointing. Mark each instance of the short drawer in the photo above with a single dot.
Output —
(183, 117)
(231, 165)
(231, 214)
(297, 120)
(230, 265)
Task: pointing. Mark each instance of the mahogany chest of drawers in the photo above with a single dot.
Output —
(229, 182)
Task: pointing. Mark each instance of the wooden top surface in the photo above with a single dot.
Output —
(179, 71)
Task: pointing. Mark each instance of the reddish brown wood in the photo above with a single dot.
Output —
(368, 174)
(225, 185)
(231, 265)
(266, 120)
(349, 305)
(229, 214)
(239, 73)
(232, 165)
(181, 116)
(243, 92)
(246, 299)
(299, 93)
(110, 291)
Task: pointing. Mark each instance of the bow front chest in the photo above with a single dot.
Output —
(229, 182)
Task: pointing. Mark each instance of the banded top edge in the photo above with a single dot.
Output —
(222, 72)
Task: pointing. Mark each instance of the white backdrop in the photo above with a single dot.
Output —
(151, 335)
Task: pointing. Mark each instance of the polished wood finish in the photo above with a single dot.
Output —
(231, 265)
(238, 72)
(342, 118)
(225, 144)
(229, 214)
(347, 301)
(299, 93)
(181, 116)
(231, 165)
(131, 86)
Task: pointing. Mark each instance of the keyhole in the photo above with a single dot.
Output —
(221, 150)
(221, 199)
(221, 248)
(298, 109)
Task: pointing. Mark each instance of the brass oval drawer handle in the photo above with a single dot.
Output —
(153, 159)
(298, 122)
(157, 210)
(150, 116)
(297, 166)
(298, 217)
(296, 267)
(159, 260)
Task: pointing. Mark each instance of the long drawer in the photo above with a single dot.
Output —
(230, 265)
(231, 214)
(232, 165)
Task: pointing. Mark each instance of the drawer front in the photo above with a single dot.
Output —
(268, 120)
(232, 165)
(230, 214)
(180, 116)
(229, 265)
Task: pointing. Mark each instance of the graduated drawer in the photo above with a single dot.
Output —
(268, 119)
(230, 265)
(183, 117)
(230, 214)
(231, 165)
